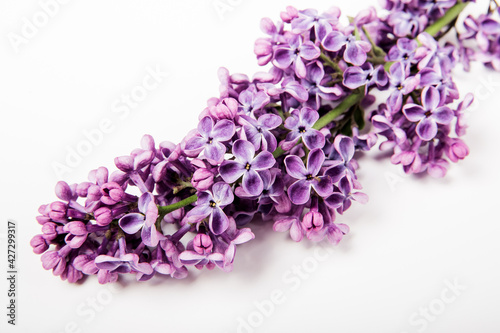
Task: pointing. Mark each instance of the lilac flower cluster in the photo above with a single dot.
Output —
(278, 147)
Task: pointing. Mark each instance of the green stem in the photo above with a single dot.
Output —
(450, 15)
(348, 102)
(164, 210)
(331, 63)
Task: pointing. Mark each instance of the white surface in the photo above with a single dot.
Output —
(414, 237)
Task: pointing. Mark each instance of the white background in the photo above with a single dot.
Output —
(416, 236)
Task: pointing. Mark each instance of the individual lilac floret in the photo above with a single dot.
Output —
(402, 84)
(355, 52)
(322, 24)
(211, 139)
(300, 124)
(342, 198)
(429, 114)
(124, 262)
(296, 53)
(258, 132)
(319, 86)
(247, 165)
(252, 100)
(404, 51)
(210, 204)
(291, 222)
(145, 220)
(300, 191)
(341, 164)
(366, 75)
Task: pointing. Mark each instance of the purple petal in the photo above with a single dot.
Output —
(205, 126)
(355, 54)
(354, 77)
(131, 223)
(315, 161)
(443, 115)
(244, 151)
(223, 130)
(430, 98)
(149, 235)
(295, 167)
(223, 194)
(283, 57)
(314, 139)
(300, 191)
(334, 41)
(414, 112)
(252, 183)
(230, 171)
(283, 224)
(215, 151)
(335, 200)
(125, 163)
(427, 129)
(309, 51)
(296, 231)
(196, 143)
(345, 147)
(190, 257)
(218, 221)
(270, 121)
(265, 160)
(324, 187)
(309, 116)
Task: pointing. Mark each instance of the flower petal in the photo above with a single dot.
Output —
(427, 129)
(218, 221)
(300, 192)
(252, 183)
(295, 167)
(131, 223)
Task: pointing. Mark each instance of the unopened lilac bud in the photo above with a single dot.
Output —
(226, 109)
(312, 221)
(202, 244)
(71, 274)
(103, 216)
(63, 191)
(457, 150)
(82, 189)
(58, 211)
(290, 14)
(39, 244)
(76, 228)
(112, 193)
(202, 179)
(49, 230)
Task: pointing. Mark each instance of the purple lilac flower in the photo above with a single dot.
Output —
(365, 75)
(340, 161)
(144, 221)
(300, 191)
(210, 204)
(258, 132)
(342, 198)
(300, 124)
(429, 114)
(252, 100)
(211, 139)
(247, 165)
(296, 53)
(292, 223)
(124, 262)
(309, 18)
(405, 51)
(402, 84)
(355, 52)
(318, 86)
